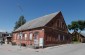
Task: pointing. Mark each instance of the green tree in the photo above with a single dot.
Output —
(20, 22)
(81, 25)
(73, 26)
(77, 26)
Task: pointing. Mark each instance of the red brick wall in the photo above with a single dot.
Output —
(52, 30)
(27, 42)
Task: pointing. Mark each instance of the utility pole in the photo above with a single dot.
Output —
(20, 7)
(21, 34)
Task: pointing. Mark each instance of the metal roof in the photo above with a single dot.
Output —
(38, 22)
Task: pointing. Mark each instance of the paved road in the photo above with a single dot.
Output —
(67, 49)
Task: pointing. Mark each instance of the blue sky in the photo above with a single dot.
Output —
(10, 12)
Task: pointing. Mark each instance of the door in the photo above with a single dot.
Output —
(36, 42)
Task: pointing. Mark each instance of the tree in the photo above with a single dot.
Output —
(76, 26)
(73, 26)
(20, 22)
(81, 25)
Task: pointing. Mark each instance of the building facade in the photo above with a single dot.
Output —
(5, 37)
(79, 36)
(44, 31)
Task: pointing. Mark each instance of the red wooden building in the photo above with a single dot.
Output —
(43, 31)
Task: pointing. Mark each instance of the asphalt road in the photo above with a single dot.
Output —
(66, 49)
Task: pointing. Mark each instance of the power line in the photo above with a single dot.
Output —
(20, 7)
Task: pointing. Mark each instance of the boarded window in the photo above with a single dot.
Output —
(31, 35)
(25, 35)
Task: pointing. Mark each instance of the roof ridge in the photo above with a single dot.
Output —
(44, 16)
(38, 22)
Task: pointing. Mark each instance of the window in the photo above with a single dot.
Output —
(59, 37)
(50, 39)
(18, 36)
(63, 37)
(31, 35)
(15, 36)
(25, 35)
(57, 23)
(61, 24)
(36, 35)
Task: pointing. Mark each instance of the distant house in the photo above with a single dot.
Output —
(79, 36)
(8, 38)
(4, 37)
(43, 31)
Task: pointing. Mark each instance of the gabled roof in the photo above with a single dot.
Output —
(83, 34)
(38, 22)
(3, 32)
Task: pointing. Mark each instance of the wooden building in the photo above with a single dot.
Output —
(5, 37)
(79, 36)
(43, 31)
